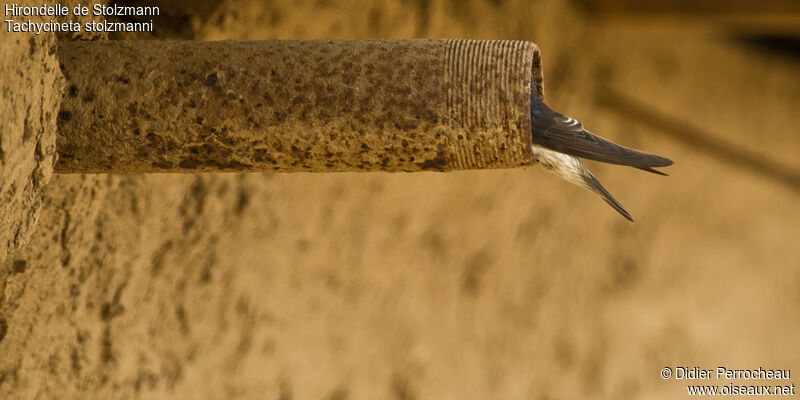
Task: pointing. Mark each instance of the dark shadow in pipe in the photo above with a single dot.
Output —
(781, 45)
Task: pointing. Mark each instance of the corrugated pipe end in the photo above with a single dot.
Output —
(488, 102)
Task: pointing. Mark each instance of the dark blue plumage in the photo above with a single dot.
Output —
(559, 139)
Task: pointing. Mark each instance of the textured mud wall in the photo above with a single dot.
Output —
(473, 285)
(30, 86)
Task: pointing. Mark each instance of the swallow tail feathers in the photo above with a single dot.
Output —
(558, 140)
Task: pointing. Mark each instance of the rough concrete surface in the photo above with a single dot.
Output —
(471, 285)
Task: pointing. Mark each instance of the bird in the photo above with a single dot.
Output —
(559, 142)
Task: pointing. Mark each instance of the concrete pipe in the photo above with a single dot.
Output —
(285, 105)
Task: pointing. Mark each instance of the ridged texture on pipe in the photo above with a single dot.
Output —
(391, 105)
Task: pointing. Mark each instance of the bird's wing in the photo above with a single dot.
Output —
(594, 185)
(574, 171)
(567, 135)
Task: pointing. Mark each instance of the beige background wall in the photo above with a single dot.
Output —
(471, 285)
